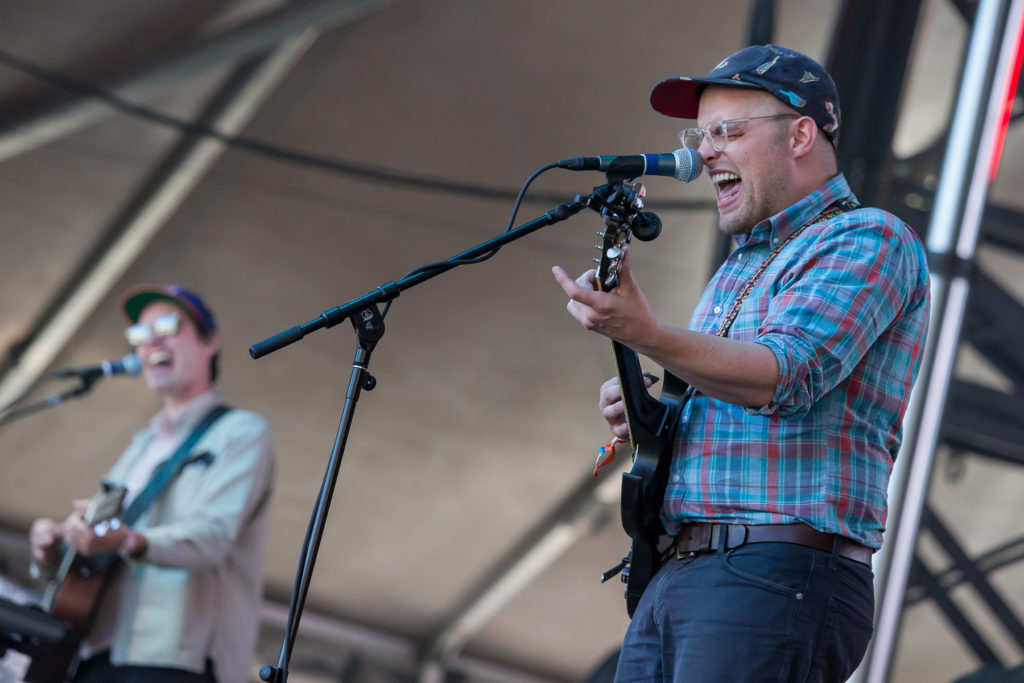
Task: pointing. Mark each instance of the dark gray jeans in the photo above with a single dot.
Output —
(763, 612)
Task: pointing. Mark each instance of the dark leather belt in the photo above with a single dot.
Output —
(704, 537)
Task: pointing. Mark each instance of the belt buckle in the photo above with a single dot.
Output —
(735, 540)
(703, 537)
(682, 554)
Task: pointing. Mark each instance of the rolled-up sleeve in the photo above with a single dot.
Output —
(832, 302)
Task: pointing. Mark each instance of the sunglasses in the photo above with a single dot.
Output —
(167, 325)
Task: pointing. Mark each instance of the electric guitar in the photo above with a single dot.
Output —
(651, 421)
(74, 593)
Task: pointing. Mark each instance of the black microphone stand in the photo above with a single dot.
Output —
(368, 322)
(87, 380)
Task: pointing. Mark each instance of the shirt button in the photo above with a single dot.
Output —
(739, 256)
(716, 310)
(675, 478)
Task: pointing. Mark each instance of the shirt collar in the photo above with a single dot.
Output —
(781, 225)
(164, 425)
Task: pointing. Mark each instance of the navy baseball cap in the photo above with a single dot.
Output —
(137, 298)
(796, 79)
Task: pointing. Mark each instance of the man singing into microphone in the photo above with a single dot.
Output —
(801, 355)
(183, 600)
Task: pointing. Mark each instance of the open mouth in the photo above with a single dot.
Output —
(160, 359)
(727, 186)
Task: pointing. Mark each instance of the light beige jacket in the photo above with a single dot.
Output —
(196, 592)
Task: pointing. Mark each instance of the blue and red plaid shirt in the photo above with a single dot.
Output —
(844, 308)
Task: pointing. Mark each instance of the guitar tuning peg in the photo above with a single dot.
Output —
(614, 253)
(596, 260)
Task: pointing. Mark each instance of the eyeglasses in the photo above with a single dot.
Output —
(718, 132)
(166, 325)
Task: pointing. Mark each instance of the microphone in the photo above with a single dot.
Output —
(129, 366)
(683, 164)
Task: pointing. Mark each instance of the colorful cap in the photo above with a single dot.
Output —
(794, 78)
(137, 298)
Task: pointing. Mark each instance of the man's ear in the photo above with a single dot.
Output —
(212, 340)
(804, 134)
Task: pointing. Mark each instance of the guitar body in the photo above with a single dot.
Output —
(652, 425)
(75, 593)
(652, 422)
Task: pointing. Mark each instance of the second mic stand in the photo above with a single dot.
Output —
(368, 322)
(87, 380)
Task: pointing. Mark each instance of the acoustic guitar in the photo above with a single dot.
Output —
(75, 592)
(651, 421)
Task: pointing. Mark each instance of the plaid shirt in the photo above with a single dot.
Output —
(844, 308)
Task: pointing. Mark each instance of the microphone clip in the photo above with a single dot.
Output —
(619, 203)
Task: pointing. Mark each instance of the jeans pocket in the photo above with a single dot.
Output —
(782, 567)
(844, 639)
(857, 576)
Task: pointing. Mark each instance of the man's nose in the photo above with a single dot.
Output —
(706, 150)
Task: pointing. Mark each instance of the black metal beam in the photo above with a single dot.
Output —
(1003, 226)
(974, 640)
(868, 61)
(994, 325)
(984, 421)
(973, 575)
(992, 560)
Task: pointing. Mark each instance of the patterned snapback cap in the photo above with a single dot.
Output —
(792, 77)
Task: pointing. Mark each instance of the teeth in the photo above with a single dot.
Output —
(158, 357)
(723, 177)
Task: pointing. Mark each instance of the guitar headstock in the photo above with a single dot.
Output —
(104, 505)
(619, 211)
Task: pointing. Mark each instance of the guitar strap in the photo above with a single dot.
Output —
(169, 469)
(841, 206)
(158, 483)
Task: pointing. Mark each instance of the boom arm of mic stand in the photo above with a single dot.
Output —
(391, 290)
(85, 384)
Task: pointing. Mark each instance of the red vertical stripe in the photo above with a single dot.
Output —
(1006, 108)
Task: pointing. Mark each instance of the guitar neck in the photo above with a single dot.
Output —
(646, 416)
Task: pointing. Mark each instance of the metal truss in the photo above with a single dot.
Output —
(870, 55)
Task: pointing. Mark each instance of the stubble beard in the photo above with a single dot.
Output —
(756, 207)
(736, 223)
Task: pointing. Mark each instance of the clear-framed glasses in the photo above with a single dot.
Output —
(717, 132)
(166, 325)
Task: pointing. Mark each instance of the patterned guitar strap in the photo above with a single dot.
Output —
(606, 453)
(841, 206)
